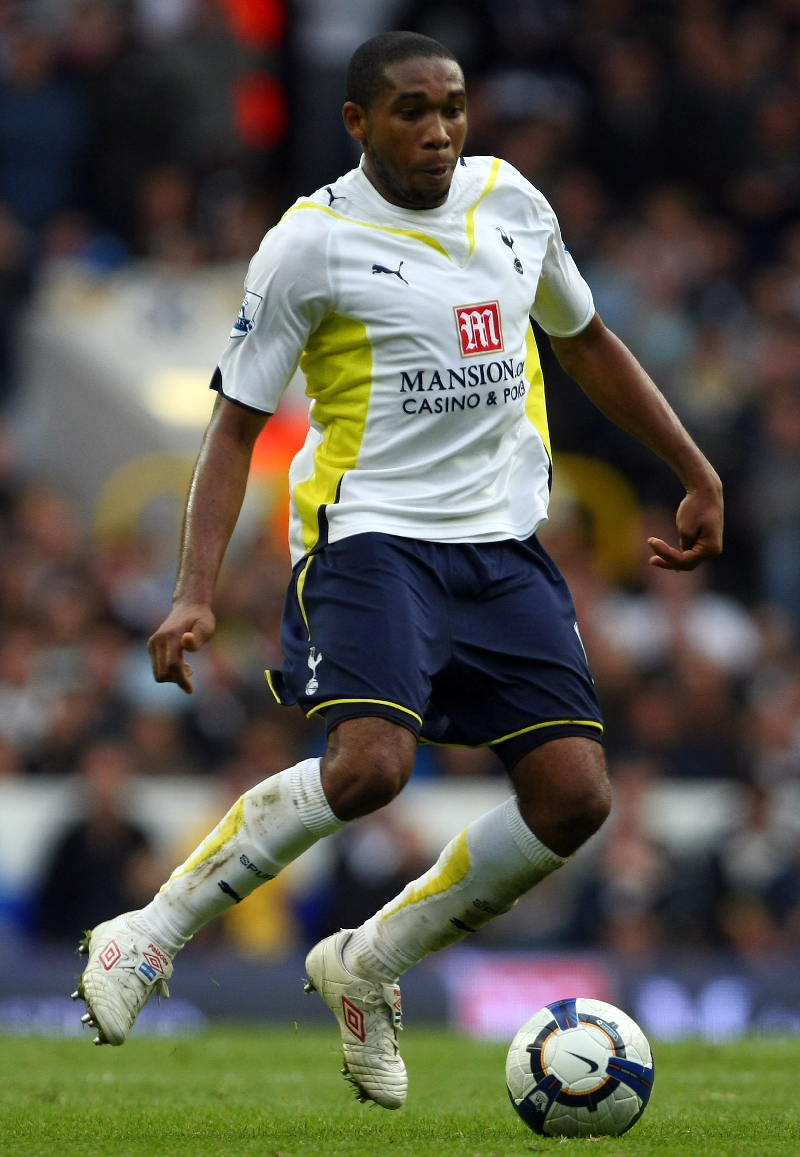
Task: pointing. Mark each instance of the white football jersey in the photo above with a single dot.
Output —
(412, 327)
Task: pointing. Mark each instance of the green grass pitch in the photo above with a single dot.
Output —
(278, 1093)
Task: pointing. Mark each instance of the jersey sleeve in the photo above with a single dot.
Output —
(563, 305)
(286, 297)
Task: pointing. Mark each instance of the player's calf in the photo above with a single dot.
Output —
(480, 874)
(131, 956)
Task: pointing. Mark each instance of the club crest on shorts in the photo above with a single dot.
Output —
(314, 661)
(479, 328)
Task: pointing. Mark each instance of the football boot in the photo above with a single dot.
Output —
(369, 1016)
(125, 968)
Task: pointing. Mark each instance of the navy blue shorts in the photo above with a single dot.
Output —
(466, 644)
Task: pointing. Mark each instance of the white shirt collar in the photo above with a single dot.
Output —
(416, 217)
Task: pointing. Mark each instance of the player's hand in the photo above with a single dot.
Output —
(186, 628)
(699, 521)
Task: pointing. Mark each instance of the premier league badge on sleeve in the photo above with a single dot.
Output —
(247, 314)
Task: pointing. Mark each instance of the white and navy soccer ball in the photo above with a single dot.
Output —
(580, 1068)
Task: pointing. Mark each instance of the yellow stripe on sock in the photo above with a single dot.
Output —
(222, 834)
(452, 872)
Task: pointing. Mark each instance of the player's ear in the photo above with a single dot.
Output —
(355, 120)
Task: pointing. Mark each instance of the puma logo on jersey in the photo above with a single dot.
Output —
(479, 328)
(394, 272)
(314, 661)
(332, 196)
(508, 240)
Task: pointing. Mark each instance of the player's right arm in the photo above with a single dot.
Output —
(215, 500)
(286, 296)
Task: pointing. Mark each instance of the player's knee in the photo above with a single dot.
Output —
(584, 807)
(367, 766)
(567, 797)
(366, 780)
(385, 772)
(587, 807)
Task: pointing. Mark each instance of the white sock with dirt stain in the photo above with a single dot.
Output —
(271, 825)
(480, 874)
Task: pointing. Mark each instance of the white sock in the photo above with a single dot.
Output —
(479, 875)
(271, 825)
(359, 958)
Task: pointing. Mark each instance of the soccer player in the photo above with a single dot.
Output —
(421, 603)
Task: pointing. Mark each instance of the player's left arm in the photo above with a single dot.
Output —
(610, 375)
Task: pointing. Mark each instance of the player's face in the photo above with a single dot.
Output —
(414, 131)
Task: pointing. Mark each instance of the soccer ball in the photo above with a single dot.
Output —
(580, 1068)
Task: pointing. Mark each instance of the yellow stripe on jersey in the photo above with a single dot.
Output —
(222, 834)
(337, 363)
(536, 406)
(423, 237)
(453, 870)
(471, 212)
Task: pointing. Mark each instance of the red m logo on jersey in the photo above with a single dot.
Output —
(479, 330)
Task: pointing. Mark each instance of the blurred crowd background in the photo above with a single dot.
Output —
(173, 133)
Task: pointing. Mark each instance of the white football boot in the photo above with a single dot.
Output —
(369, 1017)
(124, 969)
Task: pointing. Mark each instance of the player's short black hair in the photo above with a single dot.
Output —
(366, 78)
